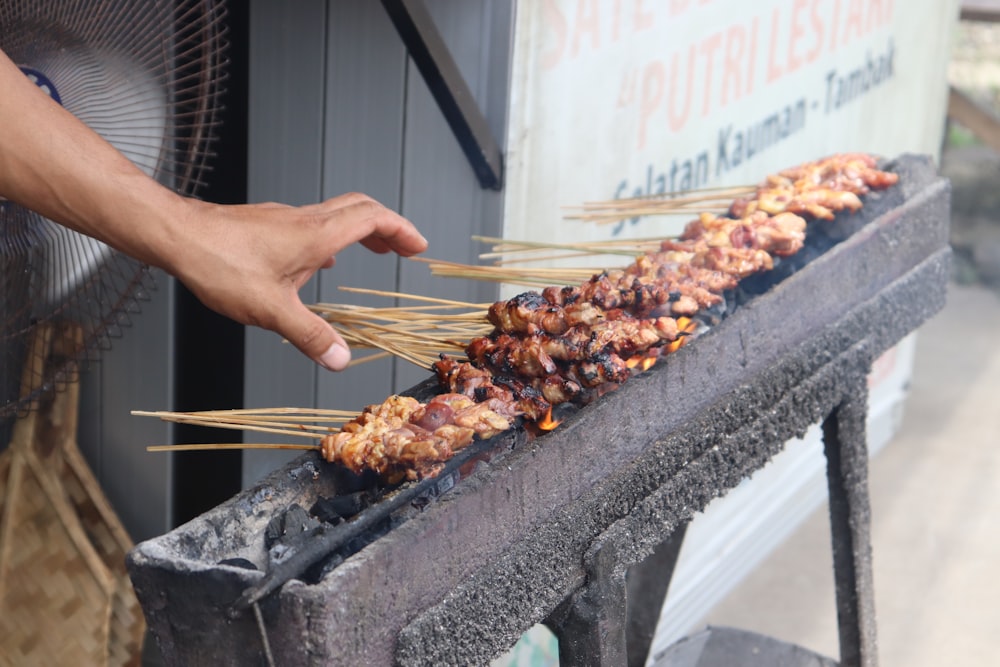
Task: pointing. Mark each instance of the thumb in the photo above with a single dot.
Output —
(314, 337)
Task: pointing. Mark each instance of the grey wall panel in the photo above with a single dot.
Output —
(336, 106)
(440, 192)
(286, 98)
(136, 374)
(365, 92)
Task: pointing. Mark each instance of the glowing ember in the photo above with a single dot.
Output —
(686, 326)
(643, 362)
(546, 423)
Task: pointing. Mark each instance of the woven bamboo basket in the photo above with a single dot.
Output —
(65, 597)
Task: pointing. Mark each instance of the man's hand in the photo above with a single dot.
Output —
(246, 262)
(249, 262)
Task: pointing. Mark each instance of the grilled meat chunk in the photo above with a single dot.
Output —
(401, 437)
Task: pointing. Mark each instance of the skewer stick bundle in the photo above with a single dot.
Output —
(692, 202)
(713, 249)
(309, 423)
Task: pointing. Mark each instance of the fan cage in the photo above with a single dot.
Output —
(146, 75)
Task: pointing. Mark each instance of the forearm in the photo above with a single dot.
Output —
(100, 192)
(247, 262)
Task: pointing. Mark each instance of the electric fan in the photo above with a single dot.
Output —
(145, 75)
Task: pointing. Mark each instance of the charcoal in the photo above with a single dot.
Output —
(335, 509)
(287, 525)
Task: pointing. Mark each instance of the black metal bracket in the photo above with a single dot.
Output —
(452, 93)
(846, 449)
(610, 622)
(611, 619)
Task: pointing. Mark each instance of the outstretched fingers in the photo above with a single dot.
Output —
(312, 335)
(359, 218)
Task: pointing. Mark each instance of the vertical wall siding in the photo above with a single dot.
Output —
(440, 191)
(336, 106)
(285, 116)
(363, 137)
(137, 373)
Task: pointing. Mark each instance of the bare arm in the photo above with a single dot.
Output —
(247, 262)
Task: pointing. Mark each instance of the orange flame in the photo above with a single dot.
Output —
(546, 423)
(685, 325)
(642, 362)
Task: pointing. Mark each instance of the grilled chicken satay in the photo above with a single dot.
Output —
(819, 188)
(654, 285)
(507, 396)
(554, 346)
(690, 275)
(532, 312)
(736, 262)
(851, 172)
(782, 234)
(543, 355)
(402, 437)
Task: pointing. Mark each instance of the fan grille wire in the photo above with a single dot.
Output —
(147, 75)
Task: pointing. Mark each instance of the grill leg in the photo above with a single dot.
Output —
(590, 624)
(647, 584)
(846, 451)
(611, 620)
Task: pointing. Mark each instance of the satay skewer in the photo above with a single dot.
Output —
(227, 445)
(738, 255)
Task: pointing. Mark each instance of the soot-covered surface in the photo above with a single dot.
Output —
(463, 578)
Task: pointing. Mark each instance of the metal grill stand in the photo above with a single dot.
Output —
(564, 517)
(610, 622)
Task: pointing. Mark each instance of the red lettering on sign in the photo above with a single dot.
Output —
(835, 25)
(708, 49)
(798, 31)
(641, 19)
(819, 29)
(556, 22)
(879, 13)
(774, 70)
(676, 118)
(732, 69)
(752, 57)
(652, 93)
(588, 22)
(855, 20)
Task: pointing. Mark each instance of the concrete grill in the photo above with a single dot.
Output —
(546, 529)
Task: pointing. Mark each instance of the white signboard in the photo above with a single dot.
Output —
(622, 98)
(619, 98)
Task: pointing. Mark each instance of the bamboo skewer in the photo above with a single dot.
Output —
(247, 427)
(226, 445)
(271, 420)
(708, 200)
(416, 297)
(512, 276)
(686, 197)
(261, 420)
(357, 361)
(418, 333)
(503, 247)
